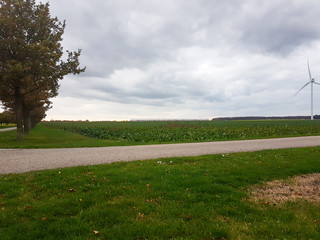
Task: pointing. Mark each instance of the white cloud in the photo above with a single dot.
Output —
(188, 59)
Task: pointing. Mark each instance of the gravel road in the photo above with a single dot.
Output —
(7, 129)
(25, 160)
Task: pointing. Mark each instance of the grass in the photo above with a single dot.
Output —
(178, 198)
(44, 137)
(99, 134)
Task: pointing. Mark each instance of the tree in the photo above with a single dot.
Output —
(30, 58)
(6, 117)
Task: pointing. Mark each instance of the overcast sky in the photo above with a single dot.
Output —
(188, 59)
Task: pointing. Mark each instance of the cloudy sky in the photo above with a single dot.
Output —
(188, 59)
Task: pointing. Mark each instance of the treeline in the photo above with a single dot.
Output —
(265, 118)
(7, 117)
(30, 61)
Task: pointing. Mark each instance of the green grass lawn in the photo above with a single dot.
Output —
(99, 134)
(178, 198)
(44, 137)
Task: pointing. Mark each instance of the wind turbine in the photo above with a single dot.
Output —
(311, 82)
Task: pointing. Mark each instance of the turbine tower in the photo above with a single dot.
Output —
(311, 82)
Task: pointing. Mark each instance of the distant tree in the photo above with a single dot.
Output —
(30, 58)
(35, 105)
(7, 117)
(37, 114)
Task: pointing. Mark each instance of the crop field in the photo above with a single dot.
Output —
(188, 131)
(102, 134)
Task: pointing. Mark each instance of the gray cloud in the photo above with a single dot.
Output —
(189, 58)
(280, 26)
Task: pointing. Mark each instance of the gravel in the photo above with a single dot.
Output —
(25, 160)
(7, 129)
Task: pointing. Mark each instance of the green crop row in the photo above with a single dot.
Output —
(189, 131)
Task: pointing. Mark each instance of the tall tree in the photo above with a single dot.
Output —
(6, 117)
(31, 54)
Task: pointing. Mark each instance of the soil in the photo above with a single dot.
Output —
(304, 187)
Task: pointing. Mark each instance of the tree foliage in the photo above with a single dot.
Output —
(31, 62)
(7, 117)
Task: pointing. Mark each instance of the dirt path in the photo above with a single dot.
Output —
(25, 160)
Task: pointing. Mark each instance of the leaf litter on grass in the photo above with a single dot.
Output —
(303, 187)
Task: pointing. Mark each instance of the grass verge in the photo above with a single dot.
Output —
(177, 198)
(44, 137)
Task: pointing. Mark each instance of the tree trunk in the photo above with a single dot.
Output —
(34, 122)
(29, 122)
(26, 121)
(19, 115)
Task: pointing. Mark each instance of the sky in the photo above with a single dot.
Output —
(188, 59)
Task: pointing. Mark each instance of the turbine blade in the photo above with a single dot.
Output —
(302, 88)
(316, 83)
(309, 71)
